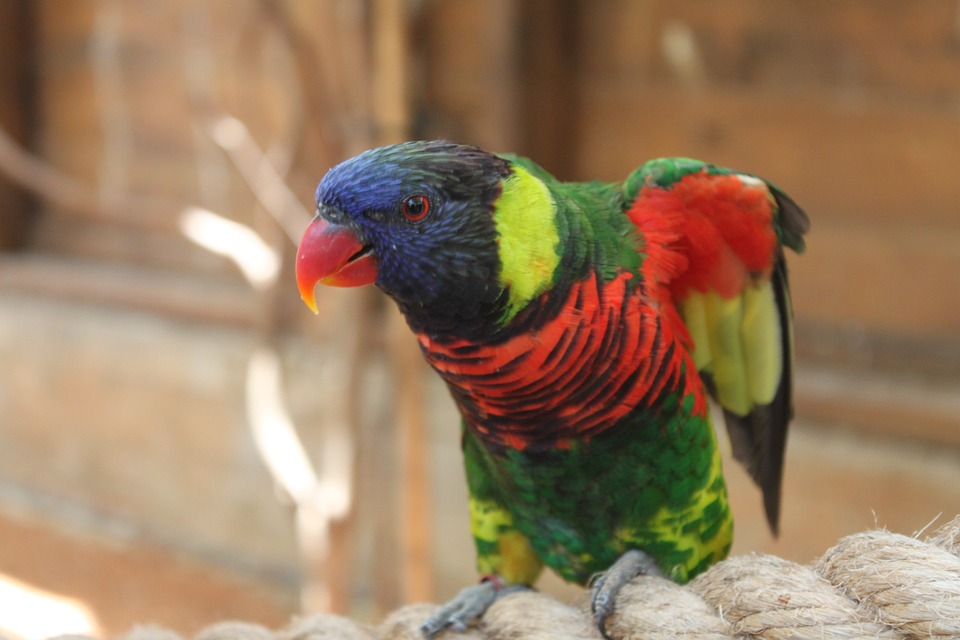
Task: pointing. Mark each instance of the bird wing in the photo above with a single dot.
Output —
(713, 239)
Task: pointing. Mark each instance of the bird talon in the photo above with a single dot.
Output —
(464, 608)
(606, 586)
(596, 580)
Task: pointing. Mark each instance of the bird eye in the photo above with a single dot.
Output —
(415, 208)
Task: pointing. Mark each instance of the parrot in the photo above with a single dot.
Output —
(581, 328)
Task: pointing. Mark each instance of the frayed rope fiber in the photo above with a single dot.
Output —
(874, 584)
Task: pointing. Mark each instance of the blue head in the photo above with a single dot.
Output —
(415, 219)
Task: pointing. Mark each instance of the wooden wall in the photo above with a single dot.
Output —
(850, 106)
(853, 107)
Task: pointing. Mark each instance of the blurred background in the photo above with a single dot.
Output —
(181, 441)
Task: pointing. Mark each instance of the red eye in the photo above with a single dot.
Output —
(415, 208)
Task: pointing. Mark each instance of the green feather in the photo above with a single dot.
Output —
(669, 500)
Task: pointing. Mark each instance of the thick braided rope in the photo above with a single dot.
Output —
(870, 585)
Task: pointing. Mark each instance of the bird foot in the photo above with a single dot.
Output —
(605, 587)
(468, 605)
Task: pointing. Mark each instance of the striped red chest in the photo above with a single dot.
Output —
(605, 354)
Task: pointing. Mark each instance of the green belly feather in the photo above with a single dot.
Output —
(653, 483)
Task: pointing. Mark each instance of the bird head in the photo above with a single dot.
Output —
(419, 220)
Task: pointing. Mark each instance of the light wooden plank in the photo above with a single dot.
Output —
(201, 298)
(896, 278)
(904, 405)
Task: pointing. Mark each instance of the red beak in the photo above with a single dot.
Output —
(333, 255)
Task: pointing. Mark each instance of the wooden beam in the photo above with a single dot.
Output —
(14, 109)
(549, 106)
(195, 297)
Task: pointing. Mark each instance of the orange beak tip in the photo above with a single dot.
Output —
(308, 296)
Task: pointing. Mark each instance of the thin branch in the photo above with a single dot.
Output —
(259, 175)
(65, 192)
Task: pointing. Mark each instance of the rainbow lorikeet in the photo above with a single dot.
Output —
(580, 328)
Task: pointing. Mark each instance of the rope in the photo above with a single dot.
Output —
(874, 584)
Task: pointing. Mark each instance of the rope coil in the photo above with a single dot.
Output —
(874, 584)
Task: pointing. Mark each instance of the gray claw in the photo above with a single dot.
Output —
(606, 586)
(464, 608)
